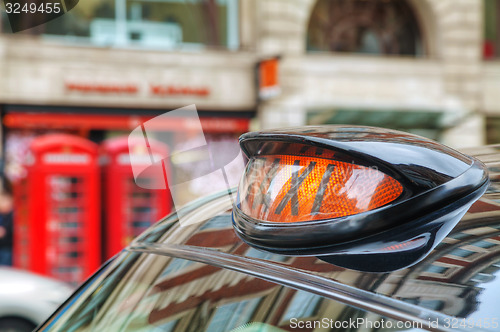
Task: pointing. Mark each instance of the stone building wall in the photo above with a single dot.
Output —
(451, 78)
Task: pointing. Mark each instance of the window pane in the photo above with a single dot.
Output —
(491, 35)
(484, 244)
(303, 305)
(458, 235)
(436, 269)
(233, 315)
(147, 23)
(462, 252)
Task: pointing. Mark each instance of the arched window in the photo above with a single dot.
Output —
(364, 26)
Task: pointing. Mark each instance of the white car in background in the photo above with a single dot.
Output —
(27, 299)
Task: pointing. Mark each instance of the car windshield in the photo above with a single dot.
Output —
(149, 292)
(158, 290)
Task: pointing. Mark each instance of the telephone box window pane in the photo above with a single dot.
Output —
(140, 212)
(66, 221)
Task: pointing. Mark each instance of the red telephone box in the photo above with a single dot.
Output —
(57, 209)
(130, 209)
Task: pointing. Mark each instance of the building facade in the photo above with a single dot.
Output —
(429, 67)
(449, 84)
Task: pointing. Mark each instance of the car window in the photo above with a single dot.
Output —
(147, 292)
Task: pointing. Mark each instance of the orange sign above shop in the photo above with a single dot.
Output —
(268, 78)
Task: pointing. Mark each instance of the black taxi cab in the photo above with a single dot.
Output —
(332, 228)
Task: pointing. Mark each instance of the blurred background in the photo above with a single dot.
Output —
(99, 71)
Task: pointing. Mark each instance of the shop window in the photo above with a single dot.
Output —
(146, 23)
(491, 32)
(380, 27)
(424, 123)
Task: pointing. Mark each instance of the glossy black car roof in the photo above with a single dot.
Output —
(459, 277)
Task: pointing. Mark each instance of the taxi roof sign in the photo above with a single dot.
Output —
(342, 192)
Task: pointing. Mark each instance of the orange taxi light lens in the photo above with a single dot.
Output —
(285, 188)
